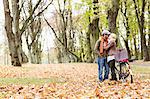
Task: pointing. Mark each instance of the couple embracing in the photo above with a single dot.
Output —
(105, 48)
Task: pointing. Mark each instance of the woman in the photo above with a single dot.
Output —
(111, 48)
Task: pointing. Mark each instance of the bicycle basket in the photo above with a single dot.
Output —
(121, 55)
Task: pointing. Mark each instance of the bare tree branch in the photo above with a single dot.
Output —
(38, 31)
(30, 17)
(53, 31)
(78, 59)
(21, 6)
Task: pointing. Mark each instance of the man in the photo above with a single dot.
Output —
(102, 55)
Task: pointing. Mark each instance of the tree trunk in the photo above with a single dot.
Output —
(149, 29)
(16, 16)
(126, 24)
(112, 16)
(141, 21)
(70, 32)
(135, 48)
(64, 18)
(36, 53)
(88, 56)
(145, 48)
(139, 25)
(35, 46)
(149, 44)
(93, 33)
(11, 37)
(59, 56)
(81, 42)
(95, 25)
(128, 49)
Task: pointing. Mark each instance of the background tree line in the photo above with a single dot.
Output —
(76, 26)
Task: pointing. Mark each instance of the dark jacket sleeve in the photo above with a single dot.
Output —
(96, 48)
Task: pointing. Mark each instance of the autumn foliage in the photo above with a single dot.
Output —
(72, 81)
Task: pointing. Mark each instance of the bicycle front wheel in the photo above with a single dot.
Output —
(124, 71)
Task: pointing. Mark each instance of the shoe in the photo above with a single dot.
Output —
(105, 79)
(113, 79)
(99, 82)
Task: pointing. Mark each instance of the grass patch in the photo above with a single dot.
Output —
(141, 69)
(2, 95)
(27, 81)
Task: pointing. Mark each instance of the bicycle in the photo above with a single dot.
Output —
(123, 67)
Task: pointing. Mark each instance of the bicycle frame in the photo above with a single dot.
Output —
(123, 75)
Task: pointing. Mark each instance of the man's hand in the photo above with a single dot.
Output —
(100, 55)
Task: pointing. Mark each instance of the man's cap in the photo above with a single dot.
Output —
(105, 32)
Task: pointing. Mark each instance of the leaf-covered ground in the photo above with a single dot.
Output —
(69, 81)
